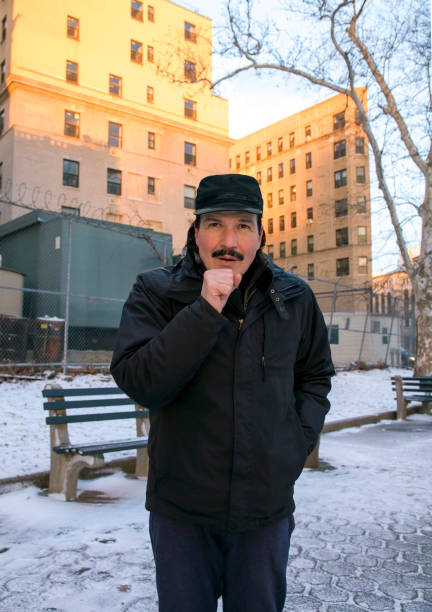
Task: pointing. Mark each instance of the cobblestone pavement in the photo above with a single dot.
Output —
(363, 537)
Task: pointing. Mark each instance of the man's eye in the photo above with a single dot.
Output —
(244, 226)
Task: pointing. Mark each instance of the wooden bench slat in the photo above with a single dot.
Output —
(90, 391)
(97, 448)
(64, 405)
(84, 418)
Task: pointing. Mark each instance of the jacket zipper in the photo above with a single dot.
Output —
(240, 323)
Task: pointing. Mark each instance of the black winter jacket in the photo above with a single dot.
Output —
(235, 403)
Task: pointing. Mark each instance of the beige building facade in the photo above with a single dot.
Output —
(313, 168)
(104, 107)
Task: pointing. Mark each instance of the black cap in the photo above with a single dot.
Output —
(220, 192)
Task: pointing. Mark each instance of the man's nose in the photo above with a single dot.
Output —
(229, 238)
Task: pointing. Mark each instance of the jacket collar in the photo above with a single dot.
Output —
(273, 282)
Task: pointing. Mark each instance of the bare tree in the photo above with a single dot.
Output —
(343, 45)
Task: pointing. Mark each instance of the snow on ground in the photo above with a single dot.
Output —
(24, 437)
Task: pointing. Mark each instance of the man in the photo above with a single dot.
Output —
(230, 354)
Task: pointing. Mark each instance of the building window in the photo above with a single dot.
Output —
(311, 271)
(150, 53)
(361, 204)
(258, 152)
(189, 196)
(137, 10)
(358, 117)
(237, 162)
(292, 166)
(384, 335)
(4, 29)
(1, 177)
(190, 109)
(342, 266)
(72, 27)
(292, 140)
(293, 193)
(72, 124)
(270, 250)
(340, 178)
(71, 71)
(114, 181)
(269, 175)
(247, 157)
(333, 334)
(308, 132)
(269, 149)
(190, 31)
(339, 149)
(269, 200)
(282, 223)
(341, 207)
(136, 52)
(339, 121)
(310, 244)
(151, 140)
(281, 197)
(342, 236)
(375, 325)
(361, 234)
(114, 134)
(282, 250)
(309, 214)
(259, 178)
(308, 161)
(2, 121)
(308, 189)
(360, 174)
(280, 170)
(359, 145)
(190, 71)
(150, 14)
(293, 219)
(363, 265)
(115, 85)
(190, 154)
(150, 94)
(294, 246)
(70, 173)
(151, 185)
(280, 144)
(270, 226)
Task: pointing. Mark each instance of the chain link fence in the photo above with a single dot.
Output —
(64, 279)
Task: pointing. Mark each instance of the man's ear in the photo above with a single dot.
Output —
(196, 233)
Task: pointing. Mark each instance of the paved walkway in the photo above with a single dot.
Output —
(363, 539)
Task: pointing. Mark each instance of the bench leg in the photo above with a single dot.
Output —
(65, 470)
(312, 460)
(142, 460)
(427, 407)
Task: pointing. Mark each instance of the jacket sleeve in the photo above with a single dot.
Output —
(312, 373)
(155, 355)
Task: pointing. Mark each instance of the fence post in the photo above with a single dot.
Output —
(67, 301)
(368, 309)
(333, 308)
(390, 332)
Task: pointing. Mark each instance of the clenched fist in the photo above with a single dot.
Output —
(218, 284)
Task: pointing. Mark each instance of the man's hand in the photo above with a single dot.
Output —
(218, 284)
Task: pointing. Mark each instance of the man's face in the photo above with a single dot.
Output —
(228, 239)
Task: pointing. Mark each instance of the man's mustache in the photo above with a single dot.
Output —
(229, 252)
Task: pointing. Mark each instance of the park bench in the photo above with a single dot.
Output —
(68, 459)
(411, 389)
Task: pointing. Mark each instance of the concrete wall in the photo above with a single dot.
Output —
(11, 301)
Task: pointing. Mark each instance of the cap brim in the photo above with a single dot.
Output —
(227, 206)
